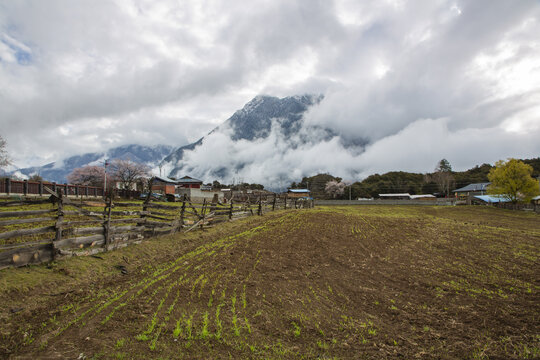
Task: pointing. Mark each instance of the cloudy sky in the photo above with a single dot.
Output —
(417, 80)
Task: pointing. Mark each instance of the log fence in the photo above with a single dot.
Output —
(9, 187)
(33, 232)
(37, 188)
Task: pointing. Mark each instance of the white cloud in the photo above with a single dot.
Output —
(84, 76)
(276, 160)
(425, 142)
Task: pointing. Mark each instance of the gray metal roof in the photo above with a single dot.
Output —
(165, 179)
(492, 198)
(473, 187)
(188, 180)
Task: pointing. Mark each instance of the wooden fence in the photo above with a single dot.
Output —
(38, 231)
(37, 188)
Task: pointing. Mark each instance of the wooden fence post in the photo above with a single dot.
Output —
(231, 210)
(249, 206)
(58, 224)
(203, 210)
(183, 211)
(107, 221)
(145, 204)
(25, 187)
(285, 203)
(40, 187)
(259, 210)
(8, 186)
(274, 203)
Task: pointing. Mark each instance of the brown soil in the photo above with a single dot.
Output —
(351, 283)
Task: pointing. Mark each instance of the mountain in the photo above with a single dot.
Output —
(223, 153)
(58, 171)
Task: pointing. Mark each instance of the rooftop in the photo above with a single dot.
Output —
(394, 195)
(164, 179)
(421, 196)
(189, 180)
(473, 187)
(492, 198)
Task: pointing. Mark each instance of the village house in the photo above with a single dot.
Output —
(467, 192)
(471, 190)
(187, 182)
(298, 193)
(195, 190)
(164, 185)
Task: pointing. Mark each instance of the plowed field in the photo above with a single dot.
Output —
(366, 282)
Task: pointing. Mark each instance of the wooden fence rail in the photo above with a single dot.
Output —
(39, 188)
(31, 234)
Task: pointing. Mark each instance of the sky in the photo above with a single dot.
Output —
(417, 81)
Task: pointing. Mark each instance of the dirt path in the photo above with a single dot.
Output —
(356, 282)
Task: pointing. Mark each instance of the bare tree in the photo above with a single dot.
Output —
(88, 175)
(334, 188)
(4, 158)
(127, 172)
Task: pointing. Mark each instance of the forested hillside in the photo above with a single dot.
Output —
(403, 182)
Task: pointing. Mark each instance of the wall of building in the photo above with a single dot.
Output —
(198, 195)
(298, 195)
(163, 188)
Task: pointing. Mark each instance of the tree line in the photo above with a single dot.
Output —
(441, 182)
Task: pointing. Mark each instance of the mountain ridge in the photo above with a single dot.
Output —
(255, 121)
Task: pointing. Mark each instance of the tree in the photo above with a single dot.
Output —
(127, 172)
(334, 188)
(35, 177)
(316, 184)
(512, 179)
(443, 176)
(4, 158)
(89, 175)
(444, 165)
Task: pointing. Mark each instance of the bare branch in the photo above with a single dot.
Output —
(127, 172)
